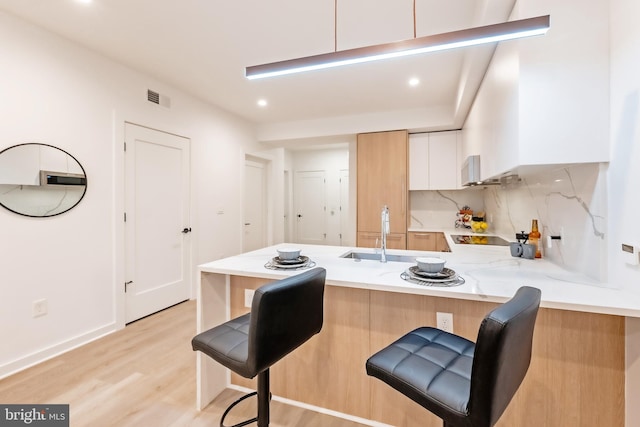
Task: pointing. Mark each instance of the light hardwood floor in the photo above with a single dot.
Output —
(143, 375)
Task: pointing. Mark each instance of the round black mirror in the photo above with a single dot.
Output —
(40, 180)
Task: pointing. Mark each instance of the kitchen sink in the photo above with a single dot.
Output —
(376, 257)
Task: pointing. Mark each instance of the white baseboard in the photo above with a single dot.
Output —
(314, 408)
(55, 350)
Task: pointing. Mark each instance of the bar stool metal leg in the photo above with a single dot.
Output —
(264, 396)
(263, 399)
(230, 407)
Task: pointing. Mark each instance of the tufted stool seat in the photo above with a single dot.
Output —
(443, 361)
(284, 315)
(464, 383)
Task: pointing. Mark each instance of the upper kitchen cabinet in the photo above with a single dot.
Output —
(382, 180)
(545, 100)
(434, 161)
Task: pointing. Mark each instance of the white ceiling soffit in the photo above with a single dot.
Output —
(202, 47)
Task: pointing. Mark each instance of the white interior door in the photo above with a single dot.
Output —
(310, 200)
(255, 205)
(157, 225)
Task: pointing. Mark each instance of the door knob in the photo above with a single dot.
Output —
(186, 230)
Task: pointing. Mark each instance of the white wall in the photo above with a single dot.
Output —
(58, 93)
(624, 174)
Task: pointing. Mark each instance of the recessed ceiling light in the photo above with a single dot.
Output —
(84, 1)
(414, 81)
(262, 102)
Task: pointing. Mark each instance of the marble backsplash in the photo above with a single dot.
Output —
(436, 210)
(570, 201)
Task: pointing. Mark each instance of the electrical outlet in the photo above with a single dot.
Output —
(248, 297)
(445, 321)
(40, 308)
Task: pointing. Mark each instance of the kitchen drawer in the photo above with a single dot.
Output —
(427, 241)
(372, 240)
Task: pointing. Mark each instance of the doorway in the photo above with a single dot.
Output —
(255, 204)
(321, 196)
(310, 202)
(157, 222)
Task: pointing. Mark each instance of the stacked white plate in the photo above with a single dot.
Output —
(445, 277)
(298, 262)
(289, 259)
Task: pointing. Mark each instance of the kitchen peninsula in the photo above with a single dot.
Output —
(577, 374)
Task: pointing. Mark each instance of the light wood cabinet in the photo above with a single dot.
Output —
(434, 161)
(575, 354)
(427, 241)
(382, 180)
(372, 240)
(421, 241)
(441, 243)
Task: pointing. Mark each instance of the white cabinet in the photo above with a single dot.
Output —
(544, 101)
(434, 161)
(419, 161)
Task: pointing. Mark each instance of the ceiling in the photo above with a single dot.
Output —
(203, 46)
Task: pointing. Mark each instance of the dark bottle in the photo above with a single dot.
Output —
(534, 237)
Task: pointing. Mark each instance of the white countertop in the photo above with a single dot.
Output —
(490, 273)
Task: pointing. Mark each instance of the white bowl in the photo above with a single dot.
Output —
(430, 264)
(288, 253)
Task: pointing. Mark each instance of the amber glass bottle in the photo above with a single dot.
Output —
(534, 237)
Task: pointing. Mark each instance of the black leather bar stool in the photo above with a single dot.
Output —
(284, 314)
(466, 384)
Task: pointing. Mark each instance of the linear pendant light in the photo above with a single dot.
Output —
(455, 39)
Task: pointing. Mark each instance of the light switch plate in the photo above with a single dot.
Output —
(40, 308)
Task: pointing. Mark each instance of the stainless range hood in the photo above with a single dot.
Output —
(471, 173)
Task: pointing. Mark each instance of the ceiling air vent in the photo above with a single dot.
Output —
(156, 98)
(153, 97)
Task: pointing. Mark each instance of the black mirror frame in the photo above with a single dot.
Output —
(68, 154)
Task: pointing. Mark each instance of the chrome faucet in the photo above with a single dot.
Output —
(384, 219)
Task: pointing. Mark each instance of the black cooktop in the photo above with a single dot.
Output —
(478, 239)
